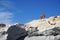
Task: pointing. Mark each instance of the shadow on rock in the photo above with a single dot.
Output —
(16, 33)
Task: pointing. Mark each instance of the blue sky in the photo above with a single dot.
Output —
(23, 11)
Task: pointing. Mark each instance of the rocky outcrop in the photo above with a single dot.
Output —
(40, 29)
(16, 32)
(44, 27)
(3, 31)
(13, 32)
(44, 24)
(43, 38)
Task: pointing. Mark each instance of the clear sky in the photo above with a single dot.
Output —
(23, 11)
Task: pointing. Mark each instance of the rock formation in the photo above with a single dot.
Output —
(13, 32)
(16, 32)
(40, 29)
(46, 27)
(3, 31)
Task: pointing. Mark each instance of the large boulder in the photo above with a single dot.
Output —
(16, 32)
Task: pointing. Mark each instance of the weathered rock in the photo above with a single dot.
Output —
(32, 31)
(3, 31)
(41, 29)
(53, 32)
(43, 38)
(45, 27)
(40, 38)
(15, 32)
(44, 24)
(50, 32)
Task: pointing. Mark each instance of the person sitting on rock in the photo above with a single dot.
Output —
(42, 16)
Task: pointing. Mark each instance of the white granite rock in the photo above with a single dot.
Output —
(43, 38)
(3, 30)
(40, 38)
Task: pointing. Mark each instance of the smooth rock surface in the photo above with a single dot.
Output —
(43, 38)
(40, 38)
(15, 32)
